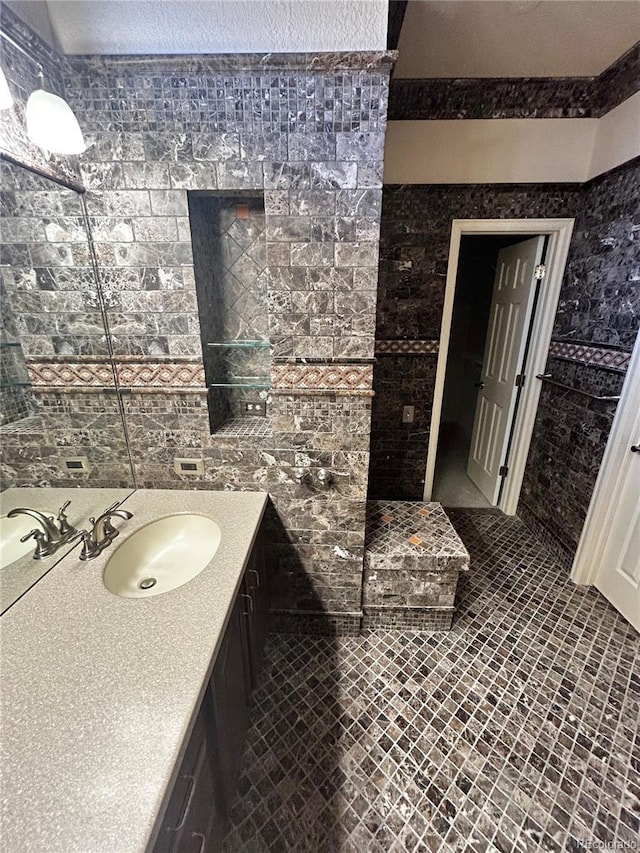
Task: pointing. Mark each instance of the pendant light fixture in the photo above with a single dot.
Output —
(51, 123)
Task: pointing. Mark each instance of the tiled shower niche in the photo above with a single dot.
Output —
(229, 251)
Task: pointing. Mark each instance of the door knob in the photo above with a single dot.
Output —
(635, 448)
(478, 384)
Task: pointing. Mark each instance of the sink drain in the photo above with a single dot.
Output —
(147, 583)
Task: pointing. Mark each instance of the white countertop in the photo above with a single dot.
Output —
(99, 692)
(17, 577)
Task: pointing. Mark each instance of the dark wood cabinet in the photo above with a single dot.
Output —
(195, 808)
(195, 817)
(231, 699)
(256, 612)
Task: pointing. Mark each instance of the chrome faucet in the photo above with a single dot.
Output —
(102, 532)
(53, 535)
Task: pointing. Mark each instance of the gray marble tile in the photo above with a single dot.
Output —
(484, 738)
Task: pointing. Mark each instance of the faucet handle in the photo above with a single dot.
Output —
(35, 533)
(66, 529)
(88, 545)
(110, 531)
(41, 543)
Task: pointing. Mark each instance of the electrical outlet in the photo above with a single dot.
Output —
(408, 414)
(76, 464)
(188, 466)
(255, 408)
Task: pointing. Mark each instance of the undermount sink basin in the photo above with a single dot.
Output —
(162, 556)
(11, 530)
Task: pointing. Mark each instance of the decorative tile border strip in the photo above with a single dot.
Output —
(70, 374)
(97, 373)
(404, 347)
(322, 377)
(587, 354)
(160, 374)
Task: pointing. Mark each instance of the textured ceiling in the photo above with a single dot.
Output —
(515, 38)
(214, 26)
(440, 38)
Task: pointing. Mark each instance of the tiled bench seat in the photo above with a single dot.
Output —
(412, 561)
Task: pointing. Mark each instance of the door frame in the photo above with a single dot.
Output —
(559, 232)
(603, 504)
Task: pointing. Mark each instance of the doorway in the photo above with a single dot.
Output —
(453, 485)
(494, 341)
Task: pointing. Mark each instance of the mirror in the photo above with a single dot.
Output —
(62, 435)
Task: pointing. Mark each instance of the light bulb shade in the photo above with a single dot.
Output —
(6, 98)
(52, 125)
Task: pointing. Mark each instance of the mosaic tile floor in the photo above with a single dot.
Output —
(516, 731)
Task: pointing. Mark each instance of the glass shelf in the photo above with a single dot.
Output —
(241, 344)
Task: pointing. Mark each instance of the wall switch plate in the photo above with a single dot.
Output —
(255, 408)
(195, 467)
(408, 414)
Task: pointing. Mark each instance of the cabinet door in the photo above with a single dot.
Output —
(202, 820)
(202, 810)
(230, 700)
(256, 610)
(183, 787)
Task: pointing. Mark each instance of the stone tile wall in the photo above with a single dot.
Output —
(14, 400)
(618, 82)
(414, 254)
(600, 306)
(600, 298)
(306, 133)
(50, 292)
(489, 98)
(312, 142)
(516, 97)
(595, 328)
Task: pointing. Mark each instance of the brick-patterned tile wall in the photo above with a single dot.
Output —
(312, 142)
(599, 304)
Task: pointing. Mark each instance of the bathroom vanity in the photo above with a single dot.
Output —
(20, 571)
(124, 717)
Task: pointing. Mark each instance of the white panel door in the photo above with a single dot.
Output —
(509, 318)
(618, 575)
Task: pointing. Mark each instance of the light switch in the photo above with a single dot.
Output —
(408, 413)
